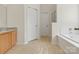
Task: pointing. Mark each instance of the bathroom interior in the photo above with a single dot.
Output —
(64, 26)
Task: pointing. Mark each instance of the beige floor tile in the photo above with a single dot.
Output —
(40, 46)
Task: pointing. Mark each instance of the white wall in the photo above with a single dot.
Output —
(59, 19)
(69, 18)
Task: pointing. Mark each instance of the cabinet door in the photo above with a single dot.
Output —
(10, 39)
(13, 38)
(4, 43)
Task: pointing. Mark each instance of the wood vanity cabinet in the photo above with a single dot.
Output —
(4, 43)
(14, 37)
(7, 41)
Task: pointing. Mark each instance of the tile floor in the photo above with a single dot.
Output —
(40, 46)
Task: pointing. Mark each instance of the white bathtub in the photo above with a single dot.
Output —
(70, 44)
(73, 39)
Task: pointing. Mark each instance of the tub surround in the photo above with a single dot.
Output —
(7, 39)
(68, 45)
(69, 40)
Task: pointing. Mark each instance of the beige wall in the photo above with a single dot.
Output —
(2, 16)
(36, 6)
(49, 8)
(15, 18)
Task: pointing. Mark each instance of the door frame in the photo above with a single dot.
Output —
(50, 23)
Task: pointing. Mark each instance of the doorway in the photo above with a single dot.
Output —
(45, 24)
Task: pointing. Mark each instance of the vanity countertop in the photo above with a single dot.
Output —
(8, 29)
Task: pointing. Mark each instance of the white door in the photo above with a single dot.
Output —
(32, 24)
(44, 24)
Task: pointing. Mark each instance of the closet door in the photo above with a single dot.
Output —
(32, 24)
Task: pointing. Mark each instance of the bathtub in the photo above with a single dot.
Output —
(69, 43)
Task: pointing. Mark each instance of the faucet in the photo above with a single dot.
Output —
(76, 28)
